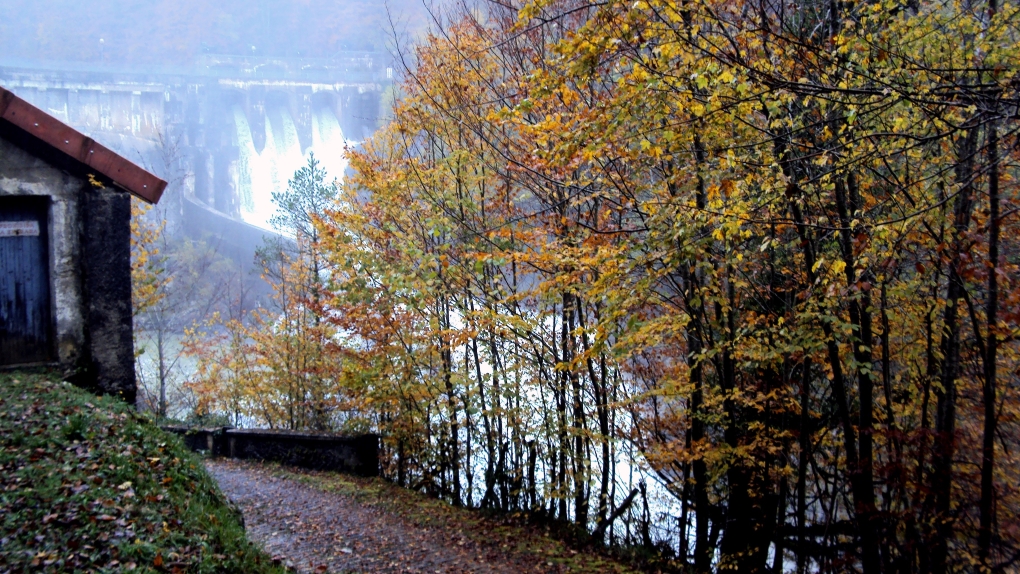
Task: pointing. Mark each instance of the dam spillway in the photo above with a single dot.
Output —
(230, 130)
(259, 174)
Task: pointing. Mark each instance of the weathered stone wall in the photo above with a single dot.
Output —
(357, 455)
(106, 277)
(24, 174)
(208, 440)
(90, 265)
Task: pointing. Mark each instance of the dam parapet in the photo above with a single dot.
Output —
(240, 125)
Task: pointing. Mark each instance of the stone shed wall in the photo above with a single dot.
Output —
(90, 266)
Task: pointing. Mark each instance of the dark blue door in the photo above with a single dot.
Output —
(26, 327)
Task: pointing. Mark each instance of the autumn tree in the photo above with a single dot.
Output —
(270, 366)
(764, 246)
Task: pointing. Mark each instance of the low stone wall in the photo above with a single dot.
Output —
(208, 440)
(357, 455)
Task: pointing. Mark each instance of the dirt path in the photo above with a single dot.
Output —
(320, 531)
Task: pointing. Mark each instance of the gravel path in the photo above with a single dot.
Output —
(318, 531)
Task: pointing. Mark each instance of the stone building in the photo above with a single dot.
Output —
(65, 252)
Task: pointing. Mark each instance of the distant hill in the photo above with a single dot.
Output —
(142, 32)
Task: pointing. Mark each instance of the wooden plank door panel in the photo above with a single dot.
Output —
(26, 327)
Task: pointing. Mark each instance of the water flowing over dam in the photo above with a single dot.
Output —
(228, 130)
(260, 173)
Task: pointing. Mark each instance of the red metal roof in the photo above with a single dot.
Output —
(75, 145)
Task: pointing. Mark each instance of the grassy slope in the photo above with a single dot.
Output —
(88, 484)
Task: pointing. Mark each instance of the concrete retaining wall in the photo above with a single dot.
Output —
(356, 455)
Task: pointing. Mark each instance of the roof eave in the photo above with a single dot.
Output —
(75, 145)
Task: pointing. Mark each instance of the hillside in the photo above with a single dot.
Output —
(174, 32)
(88, 484)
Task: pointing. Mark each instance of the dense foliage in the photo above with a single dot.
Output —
(772, 246)
(89, 485)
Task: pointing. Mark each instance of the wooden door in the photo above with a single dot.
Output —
(26, 327)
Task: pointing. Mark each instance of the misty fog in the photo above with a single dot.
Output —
(129, 33)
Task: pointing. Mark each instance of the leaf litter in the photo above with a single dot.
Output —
(317, 522)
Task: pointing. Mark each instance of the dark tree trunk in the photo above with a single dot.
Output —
(987, 505)
(945, 414)
(802, 464)
(868, 520)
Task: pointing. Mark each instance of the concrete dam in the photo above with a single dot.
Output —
(226, 131)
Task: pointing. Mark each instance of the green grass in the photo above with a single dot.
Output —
(89, 485)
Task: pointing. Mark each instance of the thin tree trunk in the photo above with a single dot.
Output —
(490, 444)
(162, 372)
(802, 464)
(987, 505)
(945, 415)
(869, 523)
